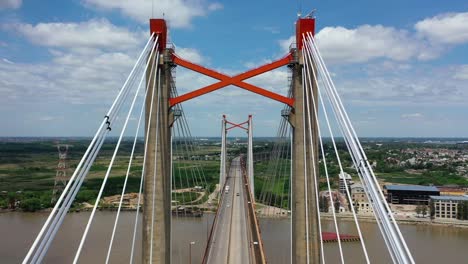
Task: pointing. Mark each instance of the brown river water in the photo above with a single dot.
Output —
(429, 244)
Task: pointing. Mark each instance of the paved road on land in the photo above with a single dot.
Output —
(230, 241)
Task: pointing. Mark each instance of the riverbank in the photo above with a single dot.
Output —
(277, 213)
(406, 221)
(326, 216)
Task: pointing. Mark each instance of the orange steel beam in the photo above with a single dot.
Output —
(229, 128)
(237, 80)
(236, 125)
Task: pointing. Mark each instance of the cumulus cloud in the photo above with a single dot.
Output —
(364, 43)
(190, 54)
(7, 61)
(179, 13)
(10, 4)
(451, 28)
(72, 79)
(84, 36)
(340, 45)
(90, 61)
(461, 72)
(215, 6)
(275, 81)
(285, 44)
(412, 116)
(426, 85)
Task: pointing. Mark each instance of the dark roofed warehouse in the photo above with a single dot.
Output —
(410, 194)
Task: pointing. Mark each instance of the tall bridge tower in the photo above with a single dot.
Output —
(305, 231)
(157, 199)
(157, 185)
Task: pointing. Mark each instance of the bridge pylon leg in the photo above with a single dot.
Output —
(157, 184)
(305, 229)
(222, 168)
(250, 164)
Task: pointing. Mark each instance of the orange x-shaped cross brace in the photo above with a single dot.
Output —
(241, 125)
(226, 80)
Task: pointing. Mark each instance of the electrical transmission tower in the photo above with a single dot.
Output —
(61, 177)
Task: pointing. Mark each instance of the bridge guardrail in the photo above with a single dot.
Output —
(256, 235)
(208, 243)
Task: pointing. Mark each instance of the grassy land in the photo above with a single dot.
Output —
(277, 189)
(426, 178)
(28, 169)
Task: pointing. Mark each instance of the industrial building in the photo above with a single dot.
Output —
(447, 206)
(410, 194)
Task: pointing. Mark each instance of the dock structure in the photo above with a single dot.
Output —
(330, 237)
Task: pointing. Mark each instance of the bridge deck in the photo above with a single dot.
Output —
(230, 239)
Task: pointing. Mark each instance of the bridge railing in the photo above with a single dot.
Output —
(215, 220)
(256, 245)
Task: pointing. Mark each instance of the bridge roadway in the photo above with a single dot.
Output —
(230, 238)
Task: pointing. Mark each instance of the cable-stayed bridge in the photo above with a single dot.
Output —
(172, 184)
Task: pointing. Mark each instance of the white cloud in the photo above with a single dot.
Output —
(215, 6)
(47, 118)
(275, 81)
(364, 43)
(71, 79)
(412, 116)
(179, 13)
(375, 85)
(285, 44)
(449, 28)
(340, 45)
(7, 61)
(461, 73)
(190, 54)
(10, 4)
(85, 36)
(90, 61)
(269, 29)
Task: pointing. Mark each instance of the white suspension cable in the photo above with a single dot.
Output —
(380, 212)
(309, 90)
(59, 217)
(290, 195)
(387, 242)
(314, 166)
(129, 165)
(51, 232)
(81, 163)
(397, 246)
(110, 165)
(305, 176)
(144, 161)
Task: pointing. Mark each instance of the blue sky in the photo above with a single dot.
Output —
(400, 66)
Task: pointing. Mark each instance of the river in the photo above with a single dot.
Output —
(429, 244)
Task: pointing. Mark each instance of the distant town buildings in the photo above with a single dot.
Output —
(451, 191)
(339, 201)
(360, 201)
(345, 180)
(410, 194)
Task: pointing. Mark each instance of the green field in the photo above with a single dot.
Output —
(28, 169)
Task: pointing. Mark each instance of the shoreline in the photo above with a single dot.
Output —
(325, 216)
(371, 219)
